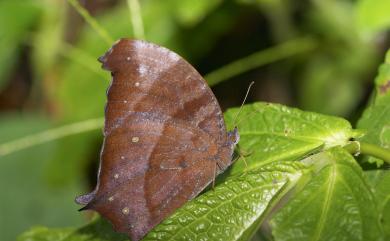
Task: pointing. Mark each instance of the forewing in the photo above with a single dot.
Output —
(153, 79)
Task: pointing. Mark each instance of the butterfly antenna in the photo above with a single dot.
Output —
(246, 96)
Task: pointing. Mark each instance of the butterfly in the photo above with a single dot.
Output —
(165, 139)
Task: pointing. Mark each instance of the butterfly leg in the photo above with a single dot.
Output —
(246, 163)
(217, 164)
(242, 154)
(215, 174)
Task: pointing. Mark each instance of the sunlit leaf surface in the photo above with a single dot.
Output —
(379, 181)
(271, 132)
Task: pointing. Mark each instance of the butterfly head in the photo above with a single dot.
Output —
(234, 136)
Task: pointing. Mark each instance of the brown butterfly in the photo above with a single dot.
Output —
(165, 139)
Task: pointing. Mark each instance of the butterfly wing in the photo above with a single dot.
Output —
(164, 135)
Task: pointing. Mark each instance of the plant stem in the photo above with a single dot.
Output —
(263, 57)
(92, 22)
(49, 135)
(136, 19)
(356, 147)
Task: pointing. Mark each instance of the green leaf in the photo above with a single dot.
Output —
(16, 18)
(336, 204)
(373, 15)
(376, 118)
(379, 181)
(271, 132)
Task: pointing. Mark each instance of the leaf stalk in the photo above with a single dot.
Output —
(50, 135)
(261, 58)
(136, 19)
(357, 147)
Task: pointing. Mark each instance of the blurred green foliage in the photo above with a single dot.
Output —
(373, 15)
(49, 77)
(376, 118)
(31, 194)
(16, 19)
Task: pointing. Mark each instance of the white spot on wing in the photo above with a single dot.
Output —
(135, 139)
(142, 70)
(125, 210)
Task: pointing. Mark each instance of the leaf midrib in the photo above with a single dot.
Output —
(284, 155)
(327, 202)
(296, 137)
